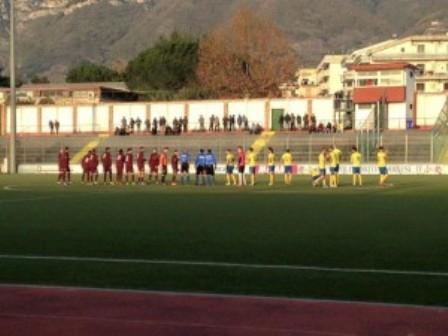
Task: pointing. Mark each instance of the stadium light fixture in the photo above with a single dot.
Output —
(12, 94)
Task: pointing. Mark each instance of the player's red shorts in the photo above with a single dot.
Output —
(129, 169)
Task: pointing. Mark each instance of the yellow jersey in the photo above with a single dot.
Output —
(333, 159)
(315, 172)
(271, 159)
(322, 161)
(252, 159)
(355, 159)
(230, 159)
(381, 158)
(338, 155)
(287, 159)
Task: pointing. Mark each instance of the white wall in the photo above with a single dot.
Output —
(128, 111)
(84, 119)
(101, 114)
(323, 109)
(253, 110)
(168, 110)
(64, 114)
(429, 107)
(26, 119)
(364, 118)
(206, 109)
(397, 115)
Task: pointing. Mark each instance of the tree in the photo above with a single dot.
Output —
(247, 56)
(39, 80)
(167, 66)
(88, 72)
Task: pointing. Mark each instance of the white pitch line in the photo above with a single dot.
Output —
(224, 265)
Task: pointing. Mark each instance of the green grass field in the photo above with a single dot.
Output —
(341, 232)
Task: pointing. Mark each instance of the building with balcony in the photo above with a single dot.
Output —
(428, 52)
(307, 83)
(384, 95)
(329, 75)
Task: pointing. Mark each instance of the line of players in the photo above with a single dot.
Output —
(205, 164)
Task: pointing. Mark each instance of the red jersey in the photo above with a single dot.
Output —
(61, 160)
(164, 159)
(93, 162)
(241, 159)
(141, 160)
(106, 159)
(85, 162)
(129, 162)
(154, 160)
(67, 160)
(175, 162)
(119, 162)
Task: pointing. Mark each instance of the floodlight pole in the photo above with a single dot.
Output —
(12, 96)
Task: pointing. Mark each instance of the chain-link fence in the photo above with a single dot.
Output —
(403, 147)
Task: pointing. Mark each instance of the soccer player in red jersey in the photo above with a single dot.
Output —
(68, 177)
(164, 164)
(61, 166)
(175, 166)
(129, 166)
(141, 166)
(94, 162)
(85, 168)
(106, 160)
(119, 164)
(241, 166)
(154, 162)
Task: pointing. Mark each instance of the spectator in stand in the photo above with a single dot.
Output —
(185, 124)
(131, 125)
(201, 123)
(293, 122)
(51, 126)
(306, 121)
(246, 123)
(313, 120)
(225, 123)
(329, 127)
(181, 125)
(147, 126)
(288, 121)
(124, 123)
(138, 123)
(232, 122)
(56, 126)
(211, 123)
(162, 124)
(217, 126)
(320, 128)
(281, 121)
(239, 121)
(299, 122)
(155, 125)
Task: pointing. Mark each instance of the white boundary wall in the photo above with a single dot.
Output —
(299, 169)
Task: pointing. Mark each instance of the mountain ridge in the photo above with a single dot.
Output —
(52, 35)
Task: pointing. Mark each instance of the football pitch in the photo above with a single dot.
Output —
(362, 244)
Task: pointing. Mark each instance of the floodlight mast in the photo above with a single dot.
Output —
(12, 96)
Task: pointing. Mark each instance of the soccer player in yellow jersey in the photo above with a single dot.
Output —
(252, 163)
(322, 159)
(230, 166)
(355, 160)
(333, 167)
(271, 166)
(381, 157)
(338, 155)
(287, 163)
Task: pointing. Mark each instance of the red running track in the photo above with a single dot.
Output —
(38, 311)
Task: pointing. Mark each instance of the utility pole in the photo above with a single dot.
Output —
(12, 96)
